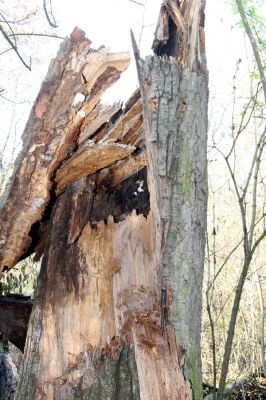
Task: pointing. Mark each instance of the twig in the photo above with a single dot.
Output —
(8, 24)
(21, 21)
(5, 51)
(51, 20)
(136, 2)
(38, 34)
(253, 44)
(14, 47)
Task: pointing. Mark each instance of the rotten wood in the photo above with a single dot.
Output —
(88, 159)
(76, 79)
(126, 219)
(180, 32)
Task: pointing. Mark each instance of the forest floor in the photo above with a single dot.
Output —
(246, 389)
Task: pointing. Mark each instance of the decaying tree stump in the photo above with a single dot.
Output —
(117, 207)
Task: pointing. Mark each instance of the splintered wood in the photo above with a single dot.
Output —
(94, 194)
(185, 41)
(69, 134)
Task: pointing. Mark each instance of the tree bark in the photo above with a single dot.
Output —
(176, 107)
(119, 295)
(175, 93)
(8, 377)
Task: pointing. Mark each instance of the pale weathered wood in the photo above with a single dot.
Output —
(127, 128)
(74, 84)
(125, 168)
(98, 117)
(88, 159)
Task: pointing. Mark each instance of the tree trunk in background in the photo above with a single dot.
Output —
(119, 293)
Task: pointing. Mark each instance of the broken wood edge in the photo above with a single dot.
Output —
(15, 242)
(124, 168)
(188, 19)
(89, 160)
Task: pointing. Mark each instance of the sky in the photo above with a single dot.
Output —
(108, 22)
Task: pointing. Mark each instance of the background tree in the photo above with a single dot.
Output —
(245, 178)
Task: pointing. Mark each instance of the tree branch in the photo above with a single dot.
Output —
(38, 34)
(253, 44)
(51, 20)
(136, 2)
(14, 47)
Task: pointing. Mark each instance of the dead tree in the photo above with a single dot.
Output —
(117, 207)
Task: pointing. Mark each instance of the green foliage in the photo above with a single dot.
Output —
(255, 13)
(21, 280)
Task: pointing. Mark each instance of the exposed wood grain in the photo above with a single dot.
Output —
(158, 357)
(176, 15)
(125, 168)
(184, 40)
(74, 84)
(89, 159)
(100, 115)
(127, 128)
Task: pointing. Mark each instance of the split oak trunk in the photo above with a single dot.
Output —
(120, 221)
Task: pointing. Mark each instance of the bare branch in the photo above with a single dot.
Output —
(243, 126)
(21, 21)
(253, 163)
(50, 18)
(5, 51)
(258, 241)
(38, 34)
(255, 189)
(253, 44)
(14, 47)
(11, 30)
(136, 2)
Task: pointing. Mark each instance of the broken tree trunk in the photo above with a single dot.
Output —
(174, 87)
(68, 98)
(119, 215)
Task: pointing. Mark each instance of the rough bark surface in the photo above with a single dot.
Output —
(176, 103)
(175, 93)
(14, 317)
(8, 377)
